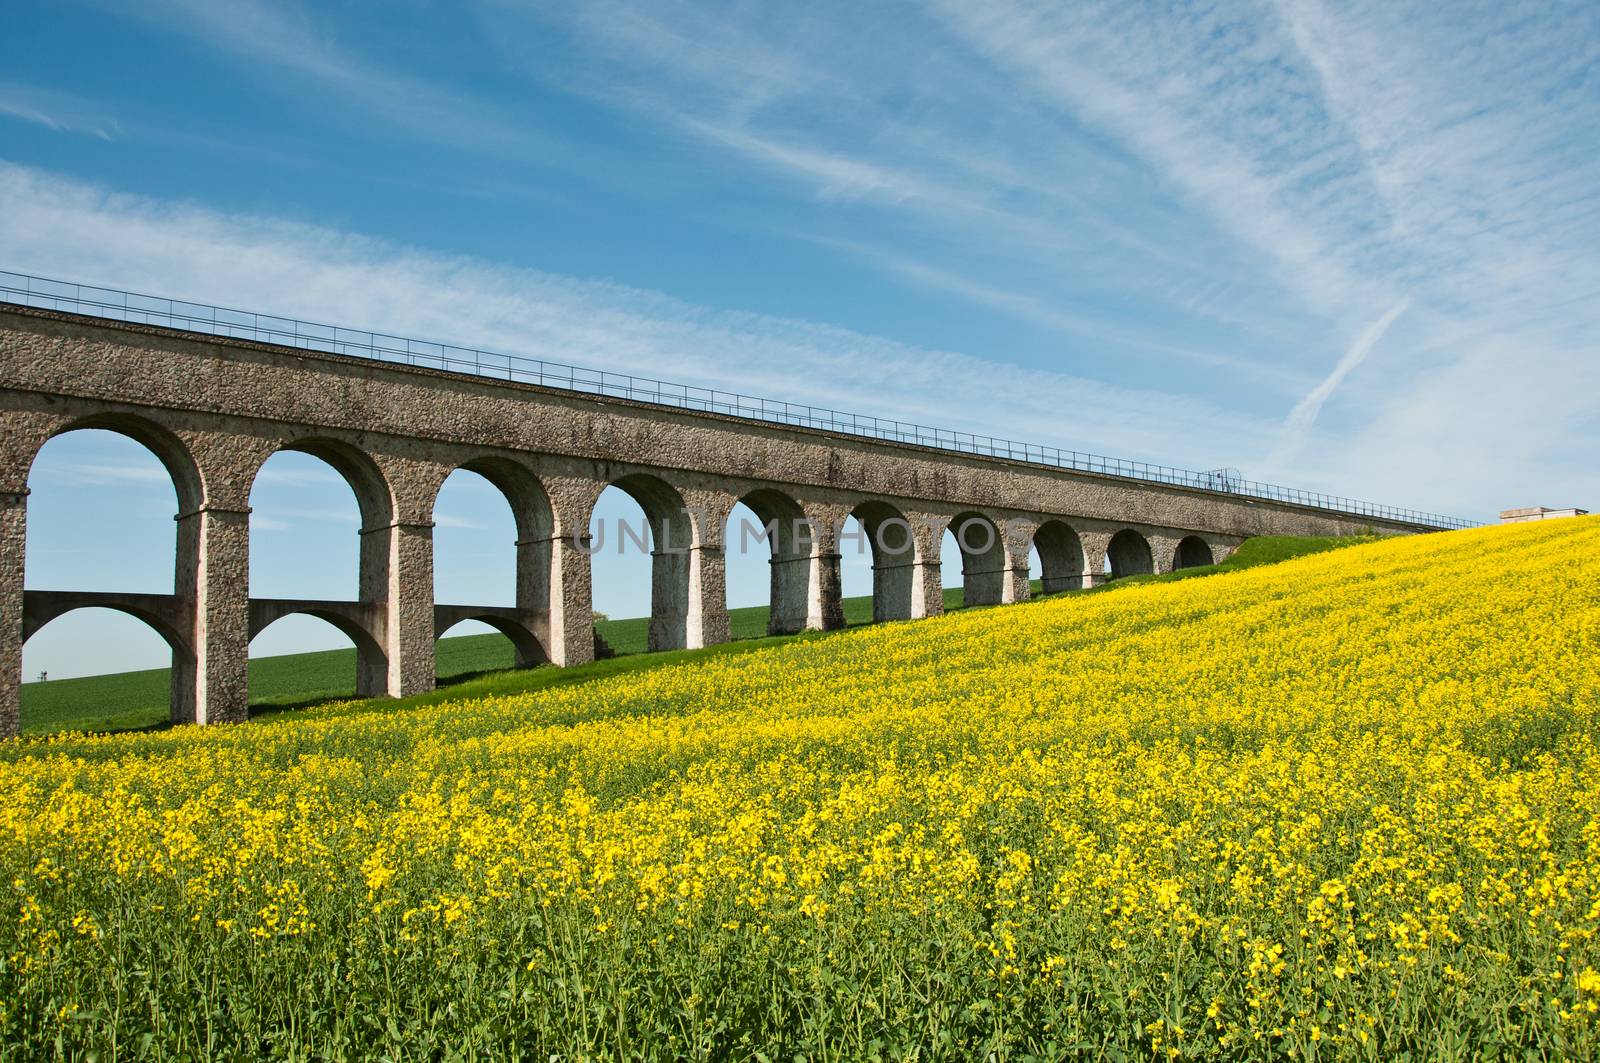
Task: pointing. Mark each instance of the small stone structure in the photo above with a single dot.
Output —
(1527, 513)
(213, 409)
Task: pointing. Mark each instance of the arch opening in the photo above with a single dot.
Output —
(62, 688)
(767, 546)
(492, 548)
(320, 511)
(101, 510)
(1061, 558)
(973, 553)
(475, 645)
(883, 534)
(1128, 554)
(1192, 552)
(641, 528)
(349, 661)
(310, 504)
(170, 451)
(103, 495)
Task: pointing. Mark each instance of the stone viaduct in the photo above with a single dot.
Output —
(213, 409)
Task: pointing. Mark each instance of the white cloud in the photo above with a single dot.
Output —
(451, 520)
(1279, 170)
(283, 35)
(55, 110)
(80, 474)
(69, 229)
(274, 473)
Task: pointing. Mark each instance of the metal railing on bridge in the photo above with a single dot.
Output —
(115, 304)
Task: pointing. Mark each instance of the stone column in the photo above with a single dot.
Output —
(13, 537)
(707, 620)
(210, 681)
(927, 586)
(571, 597)
(571, 639)
(706, 614)
(824, 588)
(1095, 544)
(825, 593)
(1163, 552)
(397, 579)
(790, 593)
(1220, 550)
(1018, 541)
(533, 588)
(669, 593)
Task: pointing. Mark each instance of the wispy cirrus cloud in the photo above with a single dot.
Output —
(67, 228)
(1279, 170)
(885, 111)
(296, 41)
(109, 474)
(60, 111)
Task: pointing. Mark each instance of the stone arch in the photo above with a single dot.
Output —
(527, 646)
(983, 557)
(895, 555)
(672, 540)
(175, 456)
(523, 492)
(169, 613)
(1061, 557)
(368, 619)
(1129, 554)
(1192, 552)
(356, 623)
(159, 612)
(786, 531)
(161, 441)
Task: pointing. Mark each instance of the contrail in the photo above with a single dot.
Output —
(1304, 414)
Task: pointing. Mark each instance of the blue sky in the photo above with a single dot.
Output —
(1350, 247)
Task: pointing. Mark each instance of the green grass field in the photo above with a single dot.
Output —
(480, 664)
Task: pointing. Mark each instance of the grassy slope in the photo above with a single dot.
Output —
(475, 665)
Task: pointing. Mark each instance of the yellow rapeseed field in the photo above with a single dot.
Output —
(1345, 806)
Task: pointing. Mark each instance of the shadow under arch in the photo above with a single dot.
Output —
(1192, 552)
(1128, 554)
(983, 558)
(894, 559)
(785, 531)
(1061, 557)
(671, 535)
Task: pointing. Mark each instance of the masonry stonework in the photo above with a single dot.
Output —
(213, 410)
